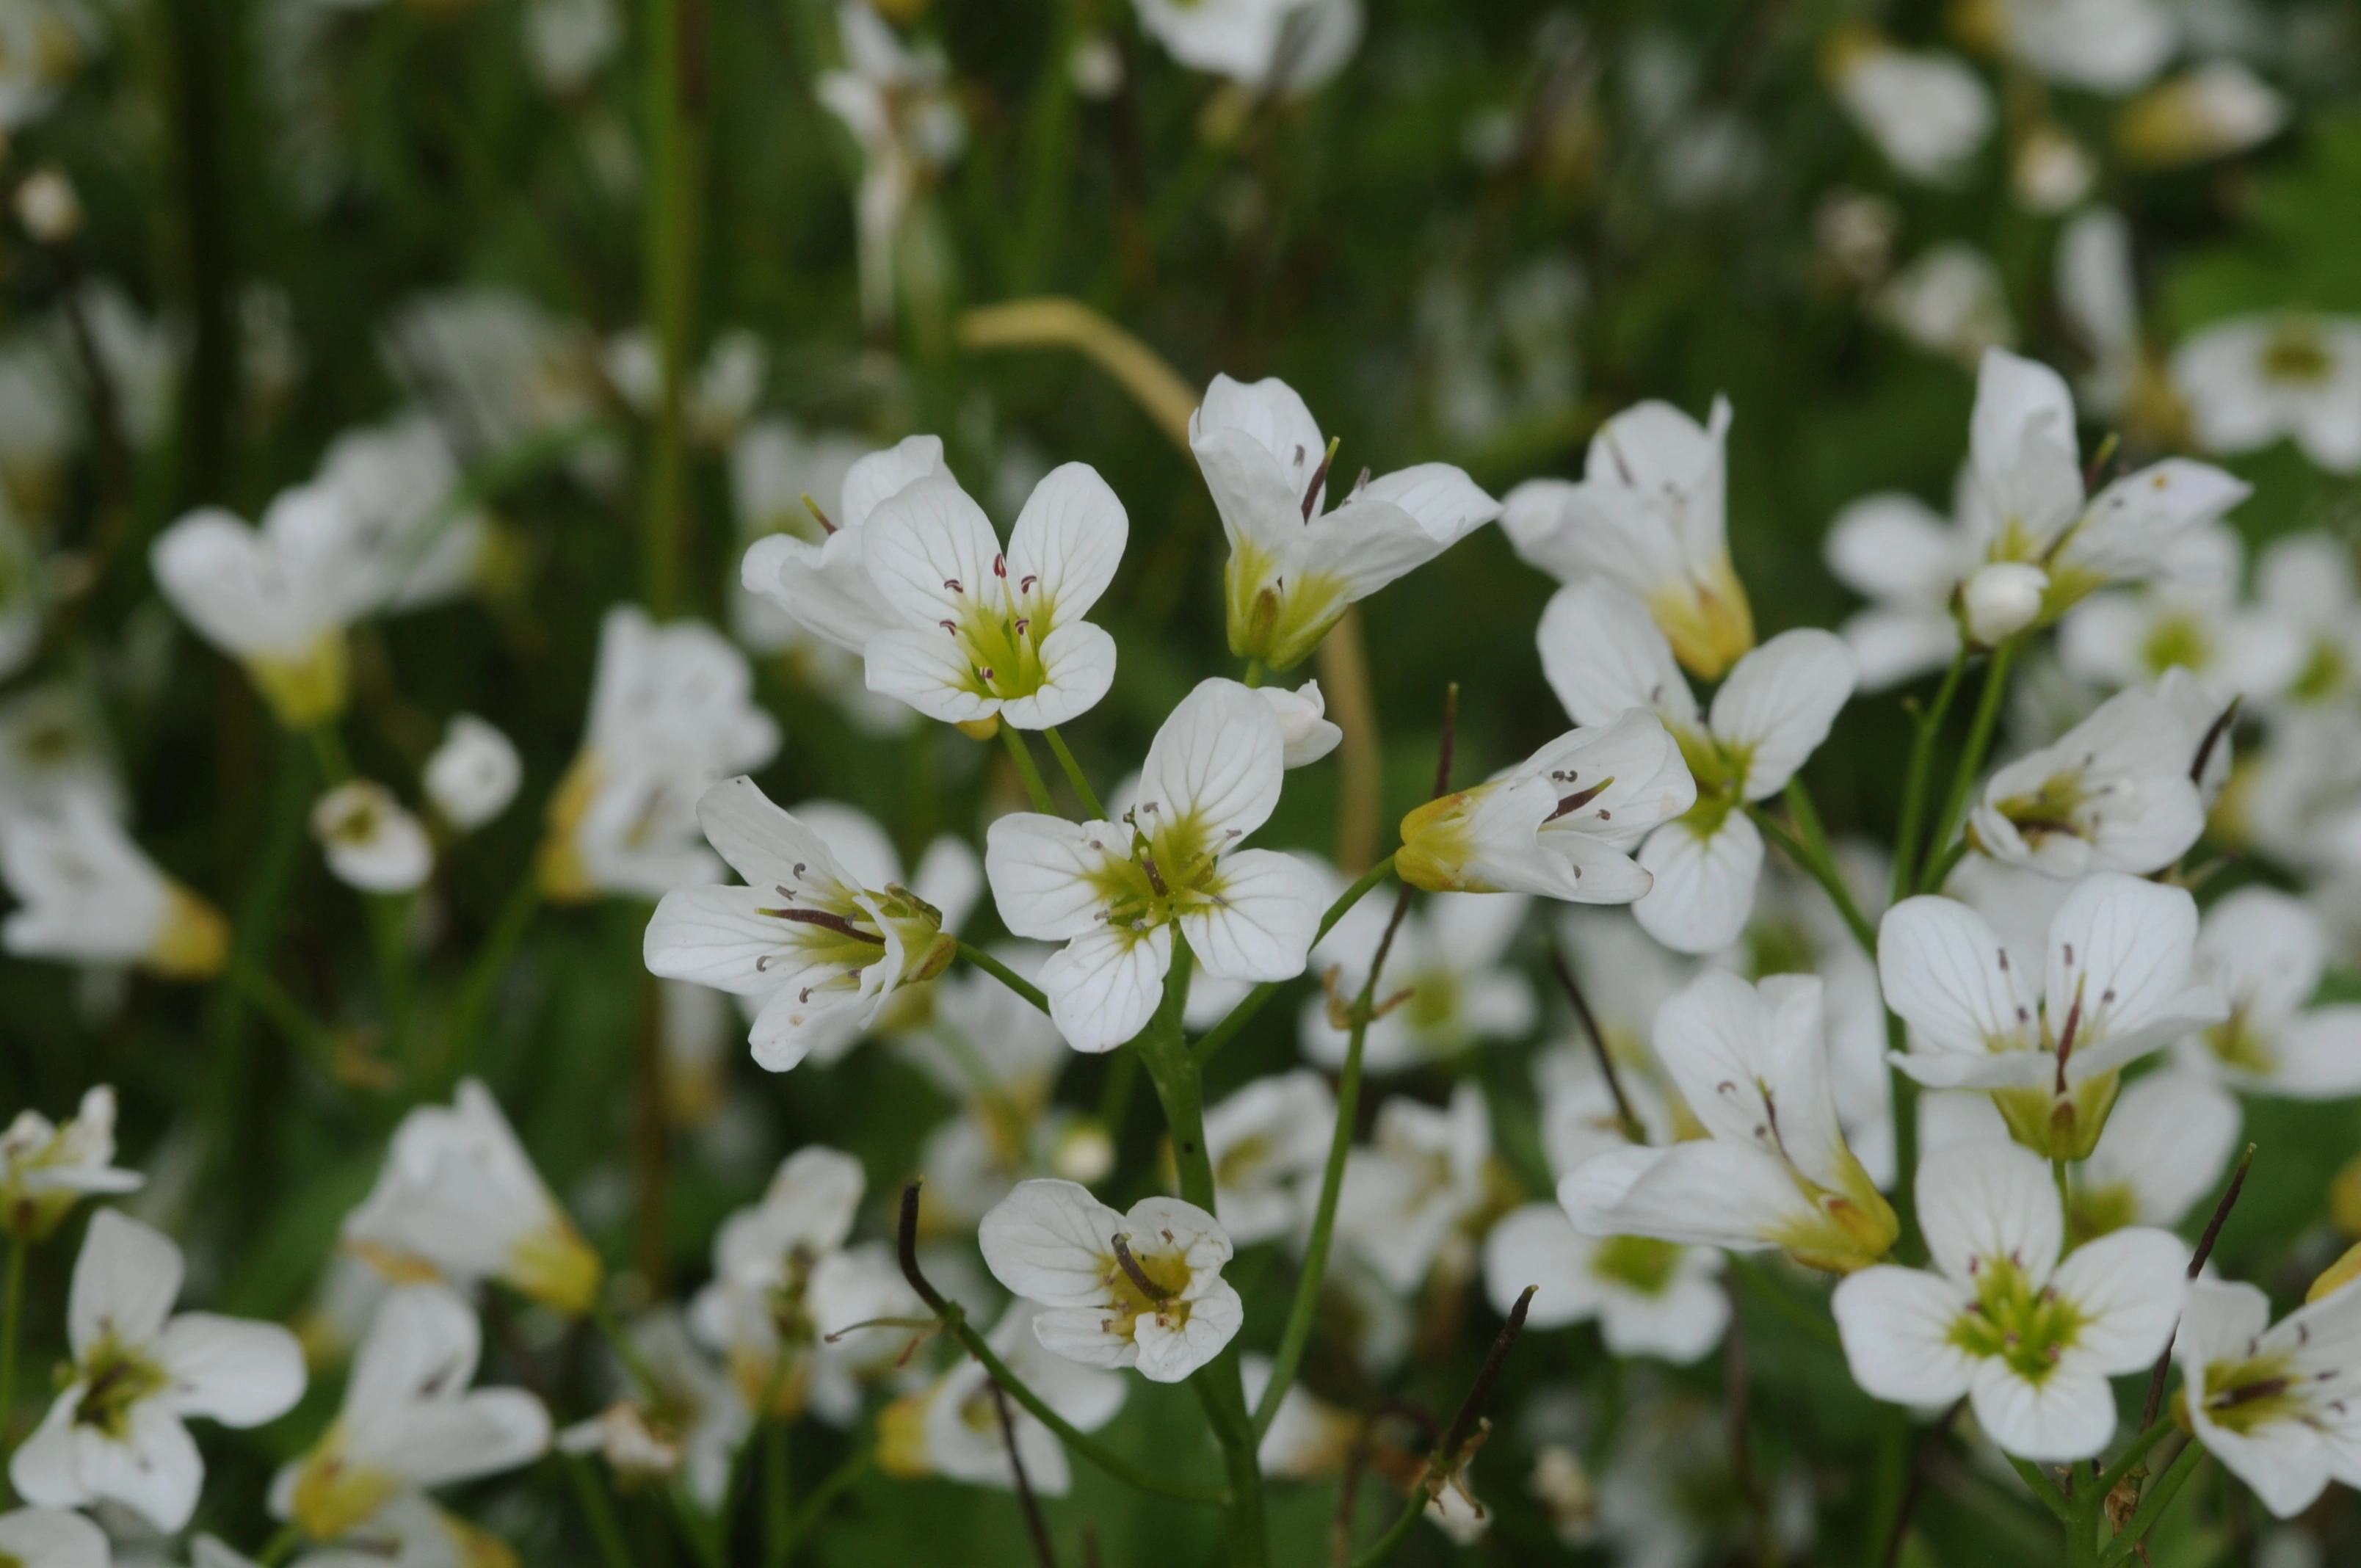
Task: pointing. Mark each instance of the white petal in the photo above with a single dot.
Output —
(717, 937)
(1679, 1324)
(1219, 758)
(1070, 534)
(1989, 1200)
(2167, 1139)
(1446, 503)
(1706, 1193)
(2125, 946)
(240, 1374)
(2129, 524)
(2129, 1283)
(1603, 654)
(2071, 1414)
(883, 475)
(1040, 869)
(1896, 1327)
(2320, 1056)
(1169, 1349)
(2022, 435)
(763, 844)
(1946, 975)
(1779, 702)
(1703, 889)
(1891, 546)
(125, 1283)
(1538, 1246)
(1077, 668)
(1050, 1242)
(1270, 905)
(1893, 646)
(928, 669)
(1103, 986)
(929, 536)
(1084, 1334)
(53, 1537)
(481, 1433)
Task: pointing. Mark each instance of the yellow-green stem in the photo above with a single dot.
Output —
(1074, 775)
(1027, 770)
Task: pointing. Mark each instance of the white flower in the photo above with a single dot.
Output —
(948, 879)
(953, 1427)
(409, 1421)
(695, 1427)
(907, 125)
(2165, 1146)
(495, 369)
(2303, 585)
(51, 1538)
(25, 589)
(87, 894)
(566, 42)
(459, 1195)
(1649, 516)
(1948, 299)
(2252, 379)
(474, 774)
(1290, 44)
(1752, 1062)
(2119, 982)
(2211, 110)
(2270, 1400)
(277, 598)
(1447, 986)
(2268, 954)
(1268, 1143)
(823, 952)
(45, 1170)
(2099, 299)
(979, 632)
(395, 481)
(2193, 621)
(2050, 171)
(672, 713)
(53, 747)
(1409, 1189)
(1908, 560)
(718, 399)
(42, 44)
(2112, 794)
(114, 1432)
(1140, 1290)
(1303, 723)
(1650, 1297)
(143, 356)
(824, 587)
(2002, 599)
(1602, 657)
(2029, 1340)
(1116, 893)
(372, 844)
(1295, 568)
(1563, 822)
(2107, 46)
(1925, 111)
(409, 1532)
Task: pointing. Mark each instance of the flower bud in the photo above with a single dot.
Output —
(473, 775)
(1304, 723)
(2002, 600)
(371, 842)
(49, 207)
(1083, 1152)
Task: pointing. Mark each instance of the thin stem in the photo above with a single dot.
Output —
(1830, 876)
(1917, 1484)
(2065, 1191)
(1028, 771)
(2114, 1475)
(675, 103)
(1003, 974)
(1971, 757)
(1344, 663)
(12, 1322)
(1766, 1285)
(1074, 775)
(1397, 1532)
(454, 1053)
(1033, 1523)
(2151, 1509)
(1252, 677)
(1633, 1130)
(953, 1317)
(281, 1546)
(1922, 763)
(599, 1511)
(2043, 1487)
(1904, 1092)
(1220, 1035)
(303, 1031)
(823, 1495)
(778, 1520)
(627, 1349)
(2196, 1265)
(1822, 870)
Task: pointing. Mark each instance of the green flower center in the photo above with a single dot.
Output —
(2100, 1210)
(116, 1377)
(2029, 1329)
(999, 628)
(1434, 1005)
(2235, 1042)
(2177, 639)
(1172, 868)
(1641, 1263)
(2324, 674)
(2048, 810)
(1163, 1271)
(2296, 357)
(2242, 1395)
(1720, 771)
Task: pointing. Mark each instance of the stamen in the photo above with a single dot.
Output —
(1579, 799)
(1137, 1275)
(818, 516)
(836, 922)
(1319, 475)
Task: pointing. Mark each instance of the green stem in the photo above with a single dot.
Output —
(2114, 1475)
(600, 1512)
(1904, 1092)
(387, 912)
(303, 1031)
(2065, 1192)
(1922, 766)
(11, 1324)
(627, 1350)
(1397, 1532)
(675, 105)
(1971, 758)
(454, 1053)
(779, 1518)
(1220, 1035)
(2152, 1506)
(279, 1547)
(1003, 974)
(2043, 1487)
(1074, 775)
(1254, 673)
(1821, 868)
(1766, 1286)
(1021, 756)
(838, 1481)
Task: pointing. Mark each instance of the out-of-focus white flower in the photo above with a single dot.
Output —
(1650, 1296)
(566, 42)
(459, 1196)
(1117, 892)
(48, 205)
(1948, 299)
(276, 598)
(53, 747)
(372, 842)
(693, 1427)
(1648, 515)
(87, 894)
(1095, 67)
(1855, 232)
(114, 1432)
(494, 368)
(51, 1538)
(1421, 1177)
(474, 774)
(411, 542)
(2267, 953)
(26, 587)
(2269, 1400)
(1304, 723)
(2100, 301)
(1446, 981)
(142, 355)
(43, 43)
(409, 1421)
(1294, 566)
(2194, 620)
(717, 401)
(2107, 46)
(823, 585)
(908, 126)
(1563, 822)
(1926, 111)
(2304, 586)
(2167, 1144)
(822, 952)
(2210, 111)
(1908, 560)
(2002, 599)
(976, 633)
(1140, 1290)
(1603, 657)
(46, 1170)
(1268, 1143)
(2112, 794)
(2028, 1340)
(1294, 45)
(410, 1529)
(2050, 171)
(953, 1427)
(2252, 379)
(672, 713)
(2120, 982)
(39, 418)
(1752, 1063)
